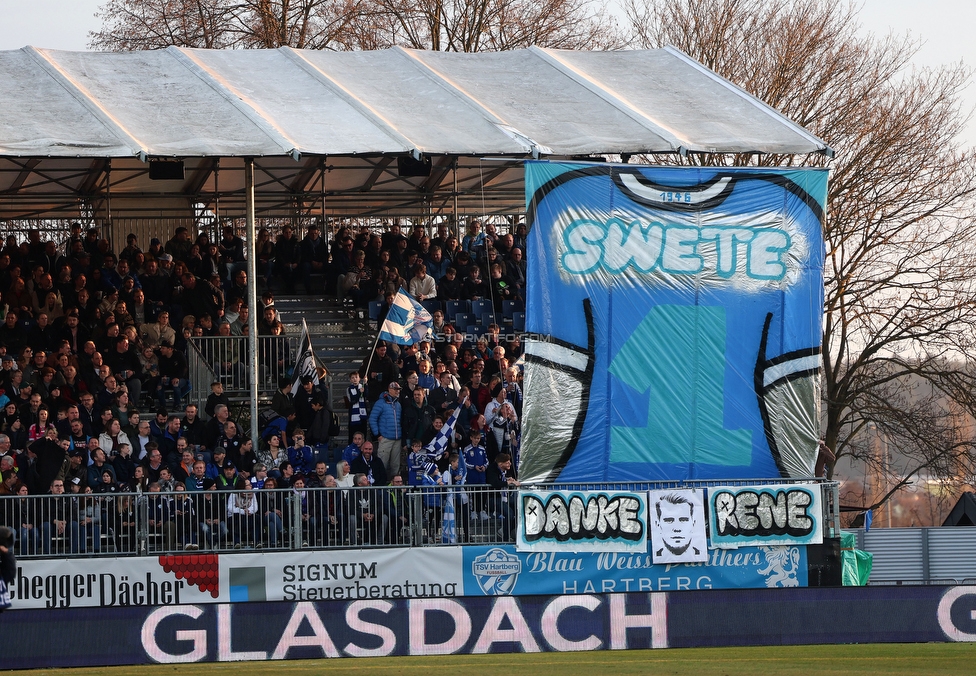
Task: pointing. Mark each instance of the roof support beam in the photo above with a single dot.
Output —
(91, 181)
(63, 181)
(377, 172)
(200, 176)
(488, 178)
(252, 291)
(305, 176)
(25, 172)
(437, 174)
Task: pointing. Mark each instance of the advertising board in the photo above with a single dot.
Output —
(223, 632)
(221, 578)
(375, 574)
(502, 570)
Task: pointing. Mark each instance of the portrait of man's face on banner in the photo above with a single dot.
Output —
(678, 526)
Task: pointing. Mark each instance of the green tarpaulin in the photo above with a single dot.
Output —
(856, 564)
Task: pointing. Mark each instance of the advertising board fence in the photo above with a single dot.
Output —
(391, 574)
(498, 570)
(425, 626)
(221, 578)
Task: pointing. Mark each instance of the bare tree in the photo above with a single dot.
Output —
(444, 25)
(214, 24)
(488, 25)
(305, 24)
(152, 24)
(899, 315)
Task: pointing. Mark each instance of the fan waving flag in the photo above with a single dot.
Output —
(438, 445)
(407, 322)
(307, 364)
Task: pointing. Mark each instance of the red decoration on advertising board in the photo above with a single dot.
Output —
(200, 570)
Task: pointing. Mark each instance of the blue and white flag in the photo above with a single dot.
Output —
(449, 523)
(407, 322)
(438, 445)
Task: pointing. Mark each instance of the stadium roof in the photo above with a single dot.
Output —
(395, 131)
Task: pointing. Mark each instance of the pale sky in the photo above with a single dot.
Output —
(945, 26)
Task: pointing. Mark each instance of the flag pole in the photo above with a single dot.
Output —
(253, 367)
(372, 353)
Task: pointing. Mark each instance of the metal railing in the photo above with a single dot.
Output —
(201, 374)
(226, 357)
(289, 519)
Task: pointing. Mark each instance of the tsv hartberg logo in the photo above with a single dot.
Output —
(496, 571)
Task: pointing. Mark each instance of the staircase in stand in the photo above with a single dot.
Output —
(342, 337)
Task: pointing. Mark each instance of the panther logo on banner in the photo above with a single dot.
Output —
(782, 566)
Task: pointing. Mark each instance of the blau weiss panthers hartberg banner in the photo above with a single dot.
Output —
(499, 570)
(675, 322)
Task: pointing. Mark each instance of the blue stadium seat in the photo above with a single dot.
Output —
(462, 319)
(374, 309)
(488, 318)
(431, 306)
(480, 307)
(510, 307)
(453, 307)
(518, 321)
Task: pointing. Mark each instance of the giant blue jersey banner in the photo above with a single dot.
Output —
(674, 322)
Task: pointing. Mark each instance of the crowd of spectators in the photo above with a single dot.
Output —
(93, 374)
(366, 266)
(89, 337)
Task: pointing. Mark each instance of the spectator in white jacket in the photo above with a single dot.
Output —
(422, 286)
(242, 509)
(113, 437)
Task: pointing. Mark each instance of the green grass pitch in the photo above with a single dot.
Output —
(887, 659)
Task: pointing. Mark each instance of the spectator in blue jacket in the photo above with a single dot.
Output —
(352, 451)
(476, 463)
(385, 421)
(300, 455)
(437, 264)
